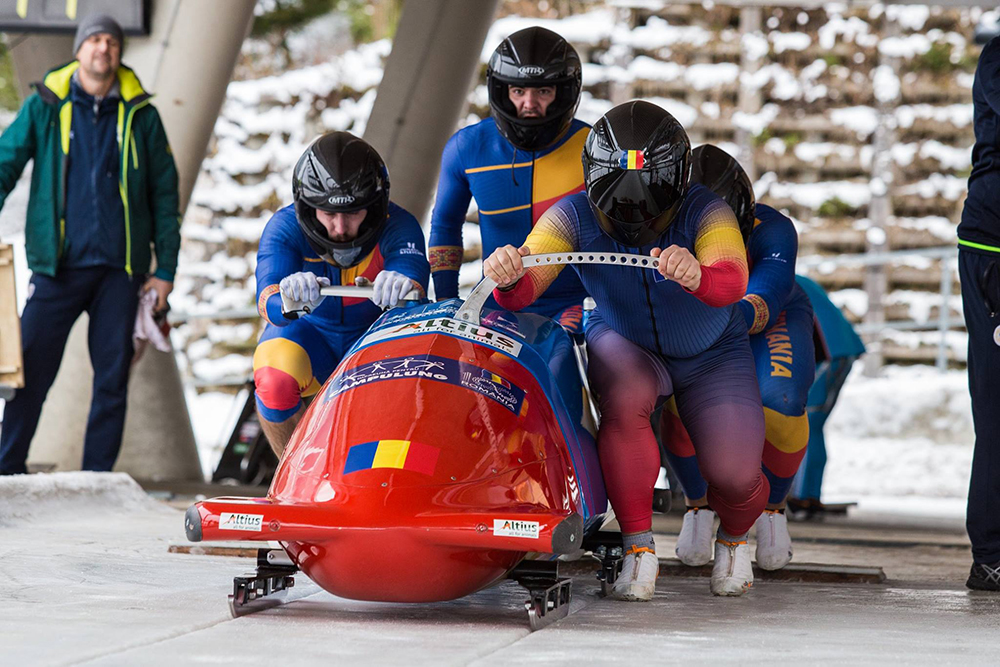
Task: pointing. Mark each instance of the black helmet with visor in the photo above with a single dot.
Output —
(340, 173)
(636, 166)
(534, 58)
(719, 171)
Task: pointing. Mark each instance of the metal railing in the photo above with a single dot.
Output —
(947, 255)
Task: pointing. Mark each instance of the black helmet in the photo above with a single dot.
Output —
(340, 173)
(718, 171)
(534, 57)
(636, 165)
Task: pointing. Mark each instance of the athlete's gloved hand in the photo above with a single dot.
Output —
(390, 287)
(300, 292)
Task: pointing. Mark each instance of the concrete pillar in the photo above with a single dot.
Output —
(434, 60)
(187, 62)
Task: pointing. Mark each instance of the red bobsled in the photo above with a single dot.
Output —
(438, 455)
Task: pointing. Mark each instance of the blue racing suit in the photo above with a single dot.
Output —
(512, 189)
(294, 357)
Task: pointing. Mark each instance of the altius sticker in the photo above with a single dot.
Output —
(515, 528)
(451, 326)
(234, 521)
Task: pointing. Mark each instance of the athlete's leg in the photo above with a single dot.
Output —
(822, 397)
(719, 402)
(785, 359)
(680, 454)
(289, 363)
(628, 381)
(694, 543)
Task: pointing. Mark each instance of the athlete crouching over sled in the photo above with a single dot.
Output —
(676, 332)
(780, 319)
(341, 228)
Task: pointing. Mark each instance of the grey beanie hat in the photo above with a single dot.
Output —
(94, 25)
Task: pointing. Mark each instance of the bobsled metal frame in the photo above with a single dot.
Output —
(550, 594)
(472, 308)
(264, 588)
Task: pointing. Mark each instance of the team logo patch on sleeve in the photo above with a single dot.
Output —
(631, 160)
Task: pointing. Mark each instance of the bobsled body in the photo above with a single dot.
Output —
(436, 457)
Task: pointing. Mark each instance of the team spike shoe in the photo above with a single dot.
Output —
(694, 544)
(732, 574)
(774, 544)
(637, 581)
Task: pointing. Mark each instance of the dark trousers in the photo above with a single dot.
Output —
(110, 297)
(980, 275)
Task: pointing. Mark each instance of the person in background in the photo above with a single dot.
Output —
(779, 319)
(341, 229)
(979, 271)
(838, 347)
(103, 202)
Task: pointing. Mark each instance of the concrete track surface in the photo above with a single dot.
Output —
(90, 579)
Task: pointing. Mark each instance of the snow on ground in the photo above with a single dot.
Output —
(905, 434)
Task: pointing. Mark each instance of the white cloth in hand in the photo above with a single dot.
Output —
(390, 287)
(300, 291)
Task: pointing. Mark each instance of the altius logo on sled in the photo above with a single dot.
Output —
(514, 528)
(234, 521)
(447, 325)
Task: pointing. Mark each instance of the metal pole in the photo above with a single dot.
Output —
(880, 208)
(749, 97)
(944, 316)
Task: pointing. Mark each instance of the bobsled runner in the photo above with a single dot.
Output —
(446, 448)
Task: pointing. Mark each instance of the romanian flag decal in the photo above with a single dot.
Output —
(399, 454)
(631, 160)
(496, 379)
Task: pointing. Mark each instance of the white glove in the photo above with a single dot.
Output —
(390, 287)
(300, 292)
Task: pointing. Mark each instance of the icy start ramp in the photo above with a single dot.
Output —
(89, 579)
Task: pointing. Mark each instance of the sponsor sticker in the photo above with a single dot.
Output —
(430, 367)
(395, 317)
(451, 326)
(515, 528)
(234, 521)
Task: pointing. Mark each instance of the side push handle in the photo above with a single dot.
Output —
(295, 309)
(471, 310)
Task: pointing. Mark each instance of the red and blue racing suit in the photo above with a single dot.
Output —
(779, 318)
(648, 339)
(295, 357)
(512, 188)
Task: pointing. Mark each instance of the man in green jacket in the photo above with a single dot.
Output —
(103, 191)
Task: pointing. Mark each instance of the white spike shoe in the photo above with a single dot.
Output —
(732, 574)
(694, 544)
(637, 581)
(774, 544)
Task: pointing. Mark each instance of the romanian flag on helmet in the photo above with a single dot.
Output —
(496, 379)
(631, 160)
(399, 454)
